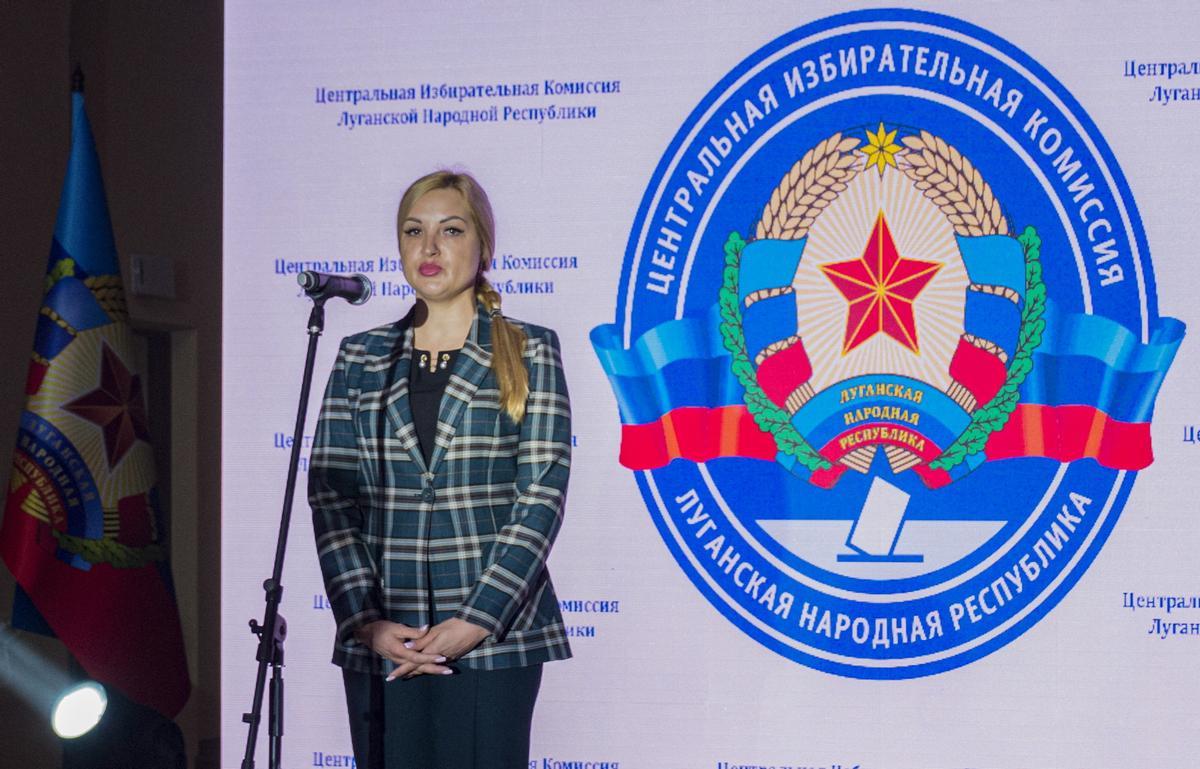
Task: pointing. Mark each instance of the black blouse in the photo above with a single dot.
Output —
(425, 389)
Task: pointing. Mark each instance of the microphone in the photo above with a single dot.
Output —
(355, 289)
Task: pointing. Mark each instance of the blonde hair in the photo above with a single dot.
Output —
(508, 340)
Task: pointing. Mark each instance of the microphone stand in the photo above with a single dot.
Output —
(273, 629)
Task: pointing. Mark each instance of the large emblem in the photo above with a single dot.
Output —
(887, 349)
(83, 469)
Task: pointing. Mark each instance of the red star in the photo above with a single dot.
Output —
(116, 406)
(880, 287)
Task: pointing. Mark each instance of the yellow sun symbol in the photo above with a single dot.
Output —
(881, 149)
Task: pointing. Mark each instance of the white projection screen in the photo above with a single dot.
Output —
(883, 454)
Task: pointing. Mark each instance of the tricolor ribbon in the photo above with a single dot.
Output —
(1090, 395)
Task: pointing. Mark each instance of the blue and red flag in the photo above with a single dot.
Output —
(82, 523)
(1090, 395)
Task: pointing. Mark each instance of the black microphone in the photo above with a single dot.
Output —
(355, 289)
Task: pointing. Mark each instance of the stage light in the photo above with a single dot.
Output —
(97, 728)
(78, 710)
(73, 707)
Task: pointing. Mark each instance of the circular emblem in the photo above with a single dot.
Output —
(886, 346)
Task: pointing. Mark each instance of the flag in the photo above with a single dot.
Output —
(1090, 395)
(82, 522)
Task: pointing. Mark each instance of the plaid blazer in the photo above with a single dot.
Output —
(465, 537)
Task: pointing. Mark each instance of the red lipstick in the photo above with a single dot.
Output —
(429, 269)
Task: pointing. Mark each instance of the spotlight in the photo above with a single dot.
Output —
(78, 710)
(98, 728)
(74, 707)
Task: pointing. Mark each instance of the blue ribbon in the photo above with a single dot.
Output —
(1091, 360)
(675, 364)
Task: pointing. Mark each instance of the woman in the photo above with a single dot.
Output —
(436, 482)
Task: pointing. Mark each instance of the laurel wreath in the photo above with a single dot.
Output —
(769, 417)
(811, 184)
(108, 550)
(995, 413)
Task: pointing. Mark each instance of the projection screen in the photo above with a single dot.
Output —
(873, 323)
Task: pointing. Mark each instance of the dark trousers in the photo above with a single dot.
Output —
(474, 719)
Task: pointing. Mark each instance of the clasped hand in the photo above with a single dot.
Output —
(423, 650)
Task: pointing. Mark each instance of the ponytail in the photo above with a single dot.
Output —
(508, 342)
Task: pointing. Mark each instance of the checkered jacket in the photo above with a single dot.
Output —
(465, 537)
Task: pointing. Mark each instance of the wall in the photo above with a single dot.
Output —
(33, 144)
